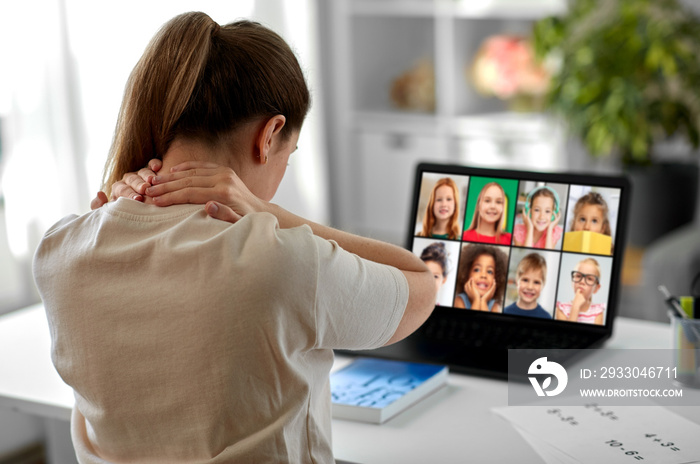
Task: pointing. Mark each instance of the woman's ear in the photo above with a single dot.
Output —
(266, 137)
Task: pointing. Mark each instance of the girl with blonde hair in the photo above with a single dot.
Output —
(585, 280)
(486, 225)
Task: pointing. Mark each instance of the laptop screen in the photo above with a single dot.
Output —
(513, 244)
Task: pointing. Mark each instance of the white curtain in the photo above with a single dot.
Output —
(42, 177)
(64, 67)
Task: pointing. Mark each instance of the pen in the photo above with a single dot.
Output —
(675, 309)
(672, 302)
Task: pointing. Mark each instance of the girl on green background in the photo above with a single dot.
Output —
(486, 225)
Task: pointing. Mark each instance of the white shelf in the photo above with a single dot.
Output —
(500, 126)
(375, 145)
(393, 7)
(474, 9)
(505, 126)
(502, 9)
(401, 122)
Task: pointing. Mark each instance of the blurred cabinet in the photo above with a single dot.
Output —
(374, 145)
(386, 162)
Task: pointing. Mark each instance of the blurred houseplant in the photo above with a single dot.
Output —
(627, 75)
(627, 78)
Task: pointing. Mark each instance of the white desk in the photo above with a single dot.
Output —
(454, 425)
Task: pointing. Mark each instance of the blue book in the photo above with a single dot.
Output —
(374, 390)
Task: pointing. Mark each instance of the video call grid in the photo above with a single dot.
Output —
(471, 192)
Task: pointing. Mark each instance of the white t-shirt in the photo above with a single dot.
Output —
(188, 339)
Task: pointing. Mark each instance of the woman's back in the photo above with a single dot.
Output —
(187, 338)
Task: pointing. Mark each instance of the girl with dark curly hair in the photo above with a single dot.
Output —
(481, 279)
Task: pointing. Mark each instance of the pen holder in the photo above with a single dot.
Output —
(686, 349)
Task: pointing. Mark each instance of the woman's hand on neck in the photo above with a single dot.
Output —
(182, 150)
(256, 152)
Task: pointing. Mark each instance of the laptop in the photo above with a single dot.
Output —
(526, 260)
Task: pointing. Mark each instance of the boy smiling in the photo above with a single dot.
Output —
(531, 279)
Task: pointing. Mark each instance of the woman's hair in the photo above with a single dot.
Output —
(530, 262)
(476, 219)
(202, 81)
(596, 199)
(466, 262)
(429, 218)
(436, 252)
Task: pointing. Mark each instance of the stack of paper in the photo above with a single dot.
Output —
(609, 434)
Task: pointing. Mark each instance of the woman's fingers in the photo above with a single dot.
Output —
(187, 195)
(131, 183)
(200, 172)
(155, 164)
(186, 185)
(99, 200)
(122, 189)
(221, 212)
(191, 182)
(197, 186)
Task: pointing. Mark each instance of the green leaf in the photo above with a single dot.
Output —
(629, 74)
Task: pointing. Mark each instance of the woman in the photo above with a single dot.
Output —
(188, 339)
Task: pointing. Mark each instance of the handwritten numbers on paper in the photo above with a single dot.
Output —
(617, 444)
(666, 444)
(594, 407)
(635, 454)
(612, 434)
(558, 413)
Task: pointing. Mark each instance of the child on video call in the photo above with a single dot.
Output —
(481, 279)
(591, 214)
(441, 218)
(530, 277)
(586, 282)
(488, 217)
(435, 257)
(540, 227)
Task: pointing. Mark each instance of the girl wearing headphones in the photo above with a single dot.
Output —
(540, 227)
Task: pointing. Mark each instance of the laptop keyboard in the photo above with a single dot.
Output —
(490, 334)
